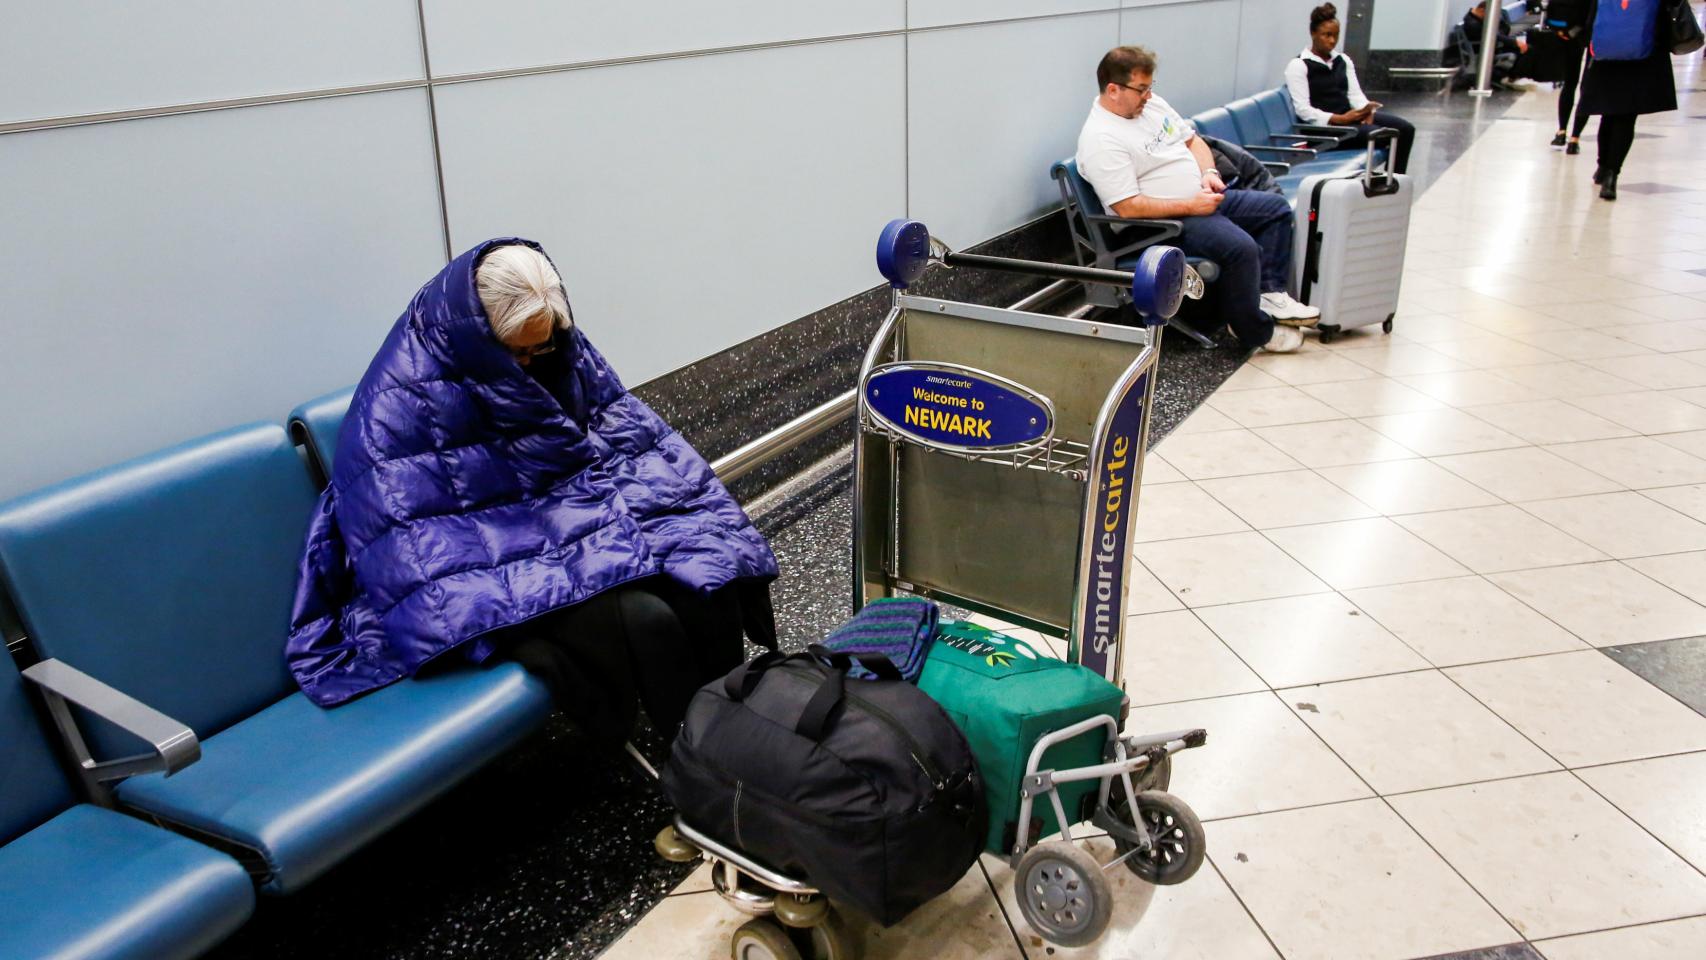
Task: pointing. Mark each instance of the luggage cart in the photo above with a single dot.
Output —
(980, 425)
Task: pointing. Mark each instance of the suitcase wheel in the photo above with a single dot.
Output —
(1063, 893)
(1328, 334)
(1386, 325)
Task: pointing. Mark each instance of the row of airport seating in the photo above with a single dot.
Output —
(1266, 125)
(158, 765)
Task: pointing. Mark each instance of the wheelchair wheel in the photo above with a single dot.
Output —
(1177, 842)
(1063, 894)
(762, 939)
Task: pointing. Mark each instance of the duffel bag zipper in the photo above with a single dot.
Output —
(881, 716)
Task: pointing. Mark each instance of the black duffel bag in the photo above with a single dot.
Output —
(862, 788)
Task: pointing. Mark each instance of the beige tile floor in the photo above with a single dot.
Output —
(1378, 573)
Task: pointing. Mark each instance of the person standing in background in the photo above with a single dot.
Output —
(1324, 89)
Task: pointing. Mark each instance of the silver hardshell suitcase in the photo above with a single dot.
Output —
(1350, 239)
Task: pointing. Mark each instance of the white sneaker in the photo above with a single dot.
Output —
(1285, 310)
(1284, 340)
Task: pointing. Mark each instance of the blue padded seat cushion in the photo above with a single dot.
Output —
(169, 577)
(304, 786)
(316, 424)
(91, 883)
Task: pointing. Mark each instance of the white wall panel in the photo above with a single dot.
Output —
(72, 57)
(1272, 34)
(1409, 25)
(690, 204)
(174, 276)
(466, 37)
(936, 13)
(988, 115)
(1190, 41)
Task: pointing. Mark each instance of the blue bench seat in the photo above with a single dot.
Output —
(171, 579)
(92, 883)
(79, 882)
(305, 787)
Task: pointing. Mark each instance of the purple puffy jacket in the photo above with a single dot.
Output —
(469, 494)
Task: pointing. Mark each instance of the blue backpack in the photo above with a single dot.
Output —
(1623, 29)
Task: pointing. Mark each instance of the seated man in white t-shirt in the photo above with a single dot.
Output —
(1145, 161)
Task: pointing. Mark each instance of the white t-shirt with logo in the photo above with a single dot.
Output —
(1144, 156)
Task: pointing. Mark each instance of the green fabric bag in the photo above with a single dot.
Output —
(1005, 696)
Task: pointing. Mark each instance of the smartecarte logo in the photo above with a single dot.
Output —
(1108, 567)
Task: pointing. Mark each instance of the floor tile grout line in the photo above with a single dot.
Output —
(1697, 868)
(1245, 907)
(1509, 922)
(1627, 926)
(1001, 908)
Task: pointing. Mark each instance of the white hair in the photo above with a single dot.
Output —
(516, 284)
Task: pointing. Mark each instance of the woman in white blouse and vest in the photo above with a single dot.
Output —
(1324, 89)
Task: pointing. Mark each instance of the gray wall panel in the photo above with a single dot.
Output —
(466, 37)
(1190, 41)
(685, 225)
(1273, 32)
(980, 153)
(175, 276)
(72, 57)
(936, 13)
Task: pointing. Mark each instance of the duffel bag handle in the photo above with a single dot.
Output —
(814, 719)
(742, 680)
(880, 666)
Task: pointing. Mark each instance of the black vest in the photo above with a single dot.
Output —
(1329, 87)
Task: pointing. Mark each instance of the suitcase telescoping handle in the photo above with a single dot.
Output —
(814, 719)
(1376, 182)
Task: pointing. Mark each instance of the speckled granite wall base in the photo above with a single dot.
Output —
(1374, 74)
(753, 387)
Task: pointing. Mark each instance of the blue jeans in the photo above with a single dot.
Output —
(1250, 238)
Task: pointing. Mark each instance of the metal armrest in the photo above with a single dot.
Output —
(1257, 148)
(1321, 130)
(1156, 231)
(1305, 137)
(1274, 166)
(175, 745)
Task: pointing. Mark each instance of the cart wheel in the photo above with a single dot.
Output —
(762, 940)
(672, 847)
(1177, 843)
(1386, 325)
(1064, 894)
(796, 911)
(829, 939)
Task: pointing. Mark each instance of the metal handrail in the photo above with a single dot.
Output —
(748, 457)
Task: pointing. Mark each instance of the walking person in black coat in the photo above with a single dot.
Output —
(1569, 20)
(1621, 90)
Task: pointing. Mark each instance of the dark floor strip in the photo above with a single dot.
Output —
(1678, 667)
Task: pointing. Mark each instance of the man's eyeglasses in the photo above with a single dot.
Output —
(1142, 90)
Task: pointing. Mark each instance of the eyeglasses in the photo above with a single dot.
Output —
(537, 350)
(1142, 90)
